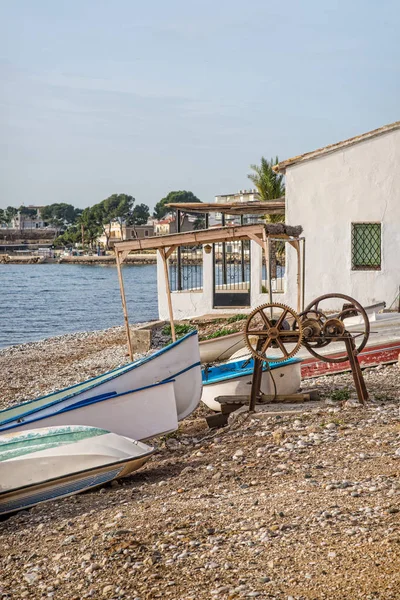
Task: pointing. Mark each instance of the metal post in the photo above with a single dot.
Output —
(178, 253)
(256, 381)
(124, 307)
(224, 277)
(356, 370)
(242, 250)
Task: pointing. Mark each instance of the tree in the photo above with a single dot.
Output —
(3, 218)
(27, 212)
(10, 213)
(140, 215)
(160, 209)
(91, 228)
(60, 214)
(120, 207)
(117, 207)
(269, 184)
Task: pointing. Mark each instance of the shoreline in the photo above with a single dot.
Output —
(134, 259)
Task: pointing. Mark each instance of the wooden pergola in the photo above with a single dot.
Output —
(260, 233)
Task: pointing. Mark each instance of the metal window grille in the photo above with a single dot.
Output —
(186, 269)
(366, 246)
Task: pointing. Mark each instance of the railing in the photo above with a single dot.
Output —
(186, 269)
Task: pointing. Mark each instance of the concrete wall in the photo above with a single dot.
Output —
(325, 195)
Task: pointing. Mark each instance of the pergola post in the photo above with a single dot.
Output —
(168, 289)
(124, 307)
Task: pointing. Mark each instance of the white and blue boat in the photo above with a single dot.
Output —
(47, 464)
(179, 362)
(139, 414)
(234, 379)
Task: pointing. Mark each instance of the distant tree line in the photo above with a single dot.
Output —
(75, 225)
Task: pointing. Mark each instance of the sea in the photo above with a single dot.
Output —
(46, 300)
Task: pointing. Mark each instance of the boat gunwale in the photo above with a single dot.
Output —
(240, 374)
(128, 368)
(83, 471)
(87, 402)
(121, 370)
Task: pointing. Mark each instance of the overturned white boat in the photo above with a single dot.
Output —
(234, 378)
(46, 464)
(138, 414)
(179, 361)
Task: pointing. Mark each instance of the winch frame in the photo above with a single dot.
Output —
(312, 329)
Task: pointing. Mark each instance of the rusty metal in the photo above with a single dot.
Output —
(283, 327)
(275, 329)
(255, 393)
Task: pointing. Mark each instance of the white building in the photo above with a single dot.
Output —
(31, 221)
(347, 198)
(240, 196)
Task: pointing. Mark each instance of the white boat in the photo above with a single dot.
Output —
(46, 464)
(139, 414)
(234, 379)
(179, 361)
(221, 348)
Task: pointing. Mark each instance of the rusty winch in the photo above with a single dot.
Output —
(278, 327)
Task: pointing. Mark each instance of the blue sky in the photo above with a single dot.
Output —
(101, 97)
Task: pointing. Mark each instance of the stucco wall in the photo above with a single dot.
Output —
(325, 195)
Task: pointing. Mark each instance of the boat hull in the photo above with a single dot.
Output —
(179, 361)
(287, 377)
(140, 414)
(65, 469)
(221, 348)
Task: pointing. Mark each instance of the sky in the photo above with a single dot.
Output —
(124, 96)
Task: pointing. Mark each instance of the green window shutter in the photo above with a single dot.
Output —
(366, 246)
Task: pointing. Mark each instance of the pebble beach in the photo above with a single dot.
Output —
(294, 507)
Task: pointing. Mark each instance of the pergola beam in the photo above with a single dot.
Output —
(199, 237)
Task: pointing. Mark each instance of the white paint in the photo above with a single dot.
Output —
(187, 304)
(287, 380)
(325, 195)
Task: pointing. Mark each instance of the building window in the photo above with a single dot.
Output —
(365, 246)
(146, 233)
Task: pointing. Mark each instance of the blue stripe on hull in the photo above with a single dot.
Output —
(58, 491)
(36, 404)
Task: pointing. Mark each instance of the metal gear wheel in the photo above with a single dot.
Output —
(262, 331)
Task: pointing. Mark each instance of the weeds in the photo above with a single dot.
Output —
(180, 330)
(219, 333)
(238, 317)
(340, 395)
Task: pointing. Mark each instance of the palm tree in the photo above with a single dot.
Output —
(269, 184)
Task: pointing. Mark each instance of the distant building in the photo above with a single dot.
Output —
(23, 221)
(169, 224)
(129, 232)
(240, 196)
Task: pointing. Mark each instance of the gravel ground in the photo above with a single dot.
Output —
(305, 506)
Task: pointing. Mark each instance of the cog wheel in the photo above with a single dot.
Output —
(273, 325)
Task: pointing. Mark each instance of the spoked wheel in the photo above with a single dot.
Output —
(273, 326)
(334, 326)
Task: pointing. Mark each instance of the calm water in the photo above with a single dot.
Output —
(39, 301)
